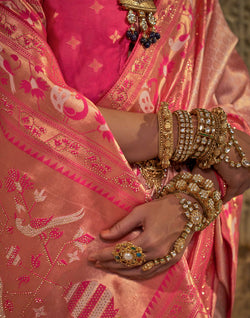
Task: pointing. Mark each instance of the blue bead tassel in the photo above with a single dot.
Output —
(153, 37)
(146, 24)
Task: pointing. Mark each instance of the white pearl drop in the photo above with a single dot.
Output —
(128, 256)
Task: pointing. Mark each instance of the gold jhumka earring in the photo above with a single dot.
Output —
(142, 20)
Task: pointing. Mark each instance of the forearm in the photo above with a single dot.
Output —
(137, 134)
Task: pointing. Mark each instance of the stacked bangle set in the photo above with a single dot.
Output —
(209, 145)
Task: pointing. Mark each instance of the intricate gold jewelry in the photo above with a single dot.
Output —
(214, 140)
(192, 212)
(202, 190)
(244, 162)
(166, 140)
(194, 215)
(153, 174)
(206, 135)
(211, 136)
(185, 137)
(143, 10)
(232, 142)
(128, 254)
(178, 246)
(144, 5)
(209, 199)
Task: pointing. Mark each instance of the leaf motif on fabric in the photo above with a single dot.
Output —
(35, 262)
(23, 280)
(12, 256)
(35, 86)
(39, 196)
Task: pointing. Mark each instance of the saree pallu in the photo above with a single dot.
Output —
(64, 177)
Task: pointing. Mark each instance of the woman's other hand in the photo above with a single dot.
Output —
(161, 223)
(237, 179)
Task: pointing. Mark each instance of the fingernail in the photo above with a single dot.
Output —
(105, 232)
(92, 258)
(98, 264)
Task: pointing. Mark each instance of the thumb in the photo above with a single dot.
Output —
(123, 227)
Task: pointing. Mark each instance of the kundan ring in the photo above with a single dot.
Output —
(128, 254)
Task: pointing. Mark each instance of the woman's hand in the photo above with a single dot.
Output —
(237, 179)
(207, 174)
(161, 222)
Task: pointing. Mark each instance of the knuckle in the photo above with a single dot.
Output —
(116, 228)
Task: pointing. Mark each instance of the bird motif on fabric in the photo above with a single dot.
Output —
(39, 225)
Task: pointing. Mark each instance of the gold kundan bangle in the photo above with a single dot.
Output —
(166, 140)
(218, 133)
(200, 189)
(214, 140)
(206, 135)
(185, 136)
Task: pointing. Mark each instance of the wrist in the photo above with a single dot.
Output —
(221, 184)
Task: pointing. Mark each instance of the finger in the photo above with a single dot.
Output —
(150, 249)
(108, 262)
(114, 266)
(123, 227)
(103, 255)
(111, 262)
(136, 273)
(106, 255)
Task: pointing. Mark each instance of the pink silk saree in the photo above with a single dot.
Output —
(64, 179)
